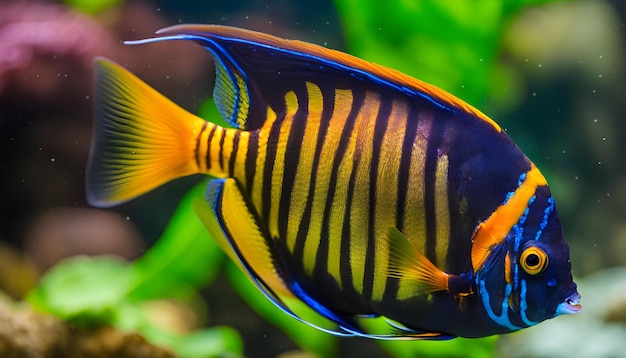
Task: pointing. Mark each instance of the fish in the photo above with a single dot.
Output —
(358, 190)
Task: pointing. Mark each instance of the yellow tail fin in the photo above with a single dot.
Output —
(141, 139)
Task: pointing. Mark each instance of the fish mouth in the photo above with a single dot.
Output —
(571, 305)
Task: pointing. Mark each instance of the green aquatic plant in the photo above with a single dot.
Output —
(93, 291)
(451, 44)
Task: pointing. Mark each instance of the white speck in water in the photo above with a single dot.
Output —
(127, 218)
(595, 120)
(600, 76)
(534, 94)
(600, 56)
(604, 139)
(167, 77)
(576, 177)
(246, 17)
(87, 97)
(599, 162)
(158, 9)
(540, 65)
(52, 159)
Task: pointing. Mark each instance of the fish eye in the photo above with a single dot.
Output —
(534, 260)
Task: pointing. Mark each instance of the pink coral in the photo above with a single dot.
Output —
(28, 30)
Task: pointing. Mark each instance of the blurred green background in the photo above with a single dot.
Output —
(550, 72)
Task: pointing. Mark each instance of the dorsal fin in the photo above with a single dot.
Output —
(256, 69)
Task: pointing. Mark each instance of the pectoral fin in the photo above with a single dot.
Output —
(407, 262)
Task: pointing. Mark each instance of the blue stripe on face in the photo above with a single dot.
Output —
(503, 319)
(523, 306)
(519, 231)
(546, 214)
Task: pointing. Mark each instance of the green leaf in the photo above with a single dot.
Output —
(308, 338)
(214, 342)
(455, 348)
(184, 258)
(208, 342)
(83, 290)
(92, 6)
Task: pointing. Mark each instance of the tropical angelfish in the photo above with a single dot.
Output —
(362, 192)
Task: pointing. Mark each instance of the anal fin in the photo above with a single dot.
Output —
(230, 218)
(234, 225)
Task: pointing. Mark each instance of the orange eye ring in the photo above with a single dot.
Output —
(534, 260)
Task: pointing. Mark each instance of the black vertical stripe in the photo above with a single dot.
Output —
(233, 154)
(197, 149)
(358, 98)
(321, 262)
(270, 156)
(208, 148)
(410, 135)
(251, 156)
(221, 155)
(435, 138)
(292, 158)
(303, 227)
(382, 120)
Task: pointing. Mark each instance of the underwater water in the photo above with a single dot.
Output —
(550, 73)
